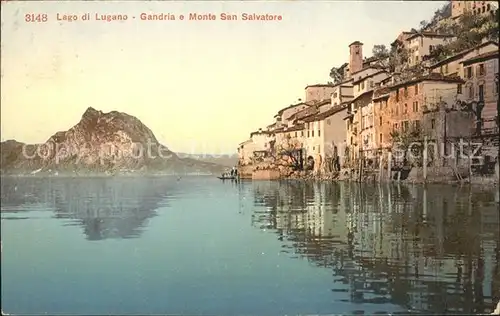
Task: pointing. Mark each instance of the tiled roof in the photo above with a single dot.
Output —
(381, 93)
(327, 113)
(294, 128)
(289, 107)
(362, 95)
(260, 132)
(430, 77)
(461, 54)
(356, 43)
(319, 85)
(481, 57)
(369, 76)
(368, 67)
(428, 34)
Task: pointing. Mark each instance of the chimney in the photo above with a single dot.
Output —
(355, 57)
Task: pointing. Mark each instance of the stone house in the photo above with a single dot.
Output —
(245, 152)
(421, 44)
(459, 7)
(452, 65)
(324, 135)
(355, 122)
(367, 79)
(342, 92)
(381, 119)
(319, 92)
(480, 73)
(447, 129)
(283, 115)
(409, 100)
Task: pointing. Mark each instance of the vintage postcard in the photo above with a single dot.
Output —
(249, 157)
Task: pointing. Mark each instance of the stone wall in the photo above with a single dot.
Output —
(245, 172)
(265, 174)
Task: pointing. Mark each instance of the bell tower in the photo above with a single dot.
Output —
(355, 57)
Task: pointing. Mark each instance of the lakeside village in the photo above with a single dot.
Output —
(437, 86)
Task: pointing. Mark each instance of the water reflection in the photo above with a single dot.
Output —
(104, 207)
(429, 249)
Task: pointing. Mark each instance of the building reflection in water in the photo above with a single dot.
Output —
(428, 249)
(104, 207)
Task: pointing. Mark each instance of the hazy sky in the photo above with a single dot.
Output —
(200, 86)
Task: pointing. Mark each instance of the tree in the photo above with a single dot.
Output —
(398, 57)
(288, 153)
(470, 30)
(407, 139)
(380, 51)
(423, 25)
(336, 75)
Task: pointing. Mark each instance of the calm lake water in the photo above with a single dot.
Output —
(201, 246)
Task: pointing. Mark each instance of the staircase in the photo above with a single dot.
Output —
(456, 173)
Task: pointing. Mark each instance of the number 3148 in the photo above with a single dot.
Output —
(35, 17)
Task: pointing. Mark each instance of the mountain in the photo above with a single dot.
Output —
(226, 160)
(113, 142)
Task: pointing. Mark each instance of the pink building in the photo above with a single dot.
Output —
(481, 84)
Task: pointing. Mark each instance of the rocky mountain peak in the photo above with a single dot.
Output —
(100, 142)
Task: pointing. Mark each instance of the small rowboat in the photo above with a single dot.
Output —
(227, 178)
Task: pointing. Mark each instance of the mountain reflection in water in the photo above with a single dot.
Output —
(430, 249)
(104, 207)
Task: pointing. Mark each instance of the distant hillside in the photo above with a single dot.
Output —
(223, 160)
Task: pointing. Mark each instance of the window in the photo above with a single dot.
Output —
(312, 133)
(328, 121)
(319, 149)
(433, 123)
(314, 148)
(351, 140)
(295, 134)
(362, 84)
(397, 95)
(481, 92)
(380, 137)
(488, 7)
(405, 108)
(416, 89)
(481, 70)
(302, 133)
(380, 120)
(459, 88)
(307, 133)
(371, 83)
(496, 84)
(416, 124)
(468, 72)
(319, 133)
(415, 106)
(446, 69)
(471, 92)
(395, 126)
(405, 126)
(406, 92)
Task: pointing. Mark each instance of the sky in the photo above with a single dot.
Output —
(200, 86)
